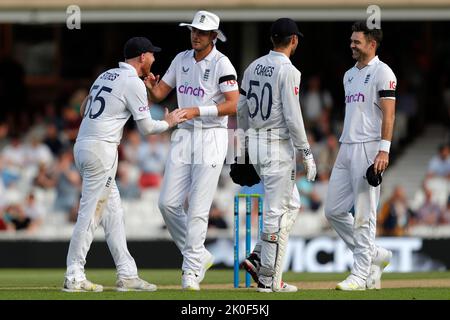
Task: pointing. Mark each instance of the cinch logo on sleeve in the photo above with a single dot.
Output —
(357, 97)
(144, 108)
(188, 90)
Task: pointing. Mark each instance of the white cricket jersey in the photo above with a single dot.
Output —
(363, 90)
(116, 95)
(201, 83)
(270, 99)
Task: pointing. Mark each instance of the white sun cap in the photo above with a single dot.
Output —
(206, 21)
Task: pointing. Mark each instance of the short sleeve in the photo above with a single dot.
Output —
(226, 75)
(136, 101)
(386, 83)
(170, 77)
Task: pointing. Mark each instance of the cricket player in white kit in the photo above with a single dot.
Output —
(269, 111)
(116, 95)
(368, 127)
(205, 81)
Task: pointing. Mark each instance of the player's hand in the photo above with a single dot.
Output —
(381, 162)
(151, 81)
(192, 112)
(309, 164)
(175, 117)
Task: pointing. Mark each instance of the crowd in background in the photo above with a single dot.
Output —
(38, 174)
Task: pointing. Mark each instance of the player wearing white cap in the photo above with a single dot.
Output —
(205, 81)
(368, 127)
(116, 95)
(269, 111)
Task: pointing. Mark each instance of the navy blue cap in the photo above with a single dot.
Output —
(137, 46)
(284, 27)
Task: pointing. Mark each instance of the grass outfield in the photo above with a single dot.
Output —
(45, 284)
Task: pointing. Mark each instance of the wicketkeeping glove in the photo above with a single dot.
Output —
(244, 174)
(309, 164)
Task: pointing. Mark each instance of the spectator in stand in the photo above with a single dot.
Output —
(71, 124)
(315, 101)
(327, 155)
(439, 165)
(68, 185)
(394, 217)
(45, 179)
(52, 140)
(4, 130)
(13, 160)
(445, 219)
(429, 213)
(128, 188)
(37, 152)
(152, 155)
(308, 198)
(130, 146)
(216, 218)
(35, 212)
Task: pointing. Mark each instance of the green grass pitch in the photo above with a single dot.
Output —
(45, 284)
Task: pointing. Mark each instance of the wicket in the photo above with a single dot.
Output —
(248, 231)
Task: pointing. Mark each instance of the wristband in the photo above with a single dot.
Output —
(208, 111)
(385, 145)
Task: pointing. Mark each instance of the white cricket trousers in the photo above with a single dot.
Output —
(100, 204)
(348, 187)
(274, 161)
(191, 173)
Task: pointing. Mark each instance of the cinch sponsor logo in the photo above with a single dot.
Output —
(143, 109)
(357, 97)
(186, 89)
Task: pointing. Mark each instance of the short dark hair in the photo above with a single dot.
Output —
(371, 34)
(281, 42)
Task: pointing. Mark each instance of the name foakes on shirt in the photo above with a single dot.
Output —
(263, 71)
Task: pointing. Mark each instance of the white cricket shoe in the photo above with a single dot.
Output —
(190, 281)
(379, 262)
(81, 286)
(352, 283)
(134, 284)
(207, 263)
(285, 287)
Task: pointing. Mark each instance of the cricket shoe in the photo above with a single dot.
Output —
(285, 287)
(190, 281)
(251, 264)
(379, 263)
(207, 263)
(81, 286)
(134, 284)
(352, 283)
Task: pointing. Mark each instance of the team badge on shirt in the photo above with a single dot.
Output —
(367, 79)
(206, 75)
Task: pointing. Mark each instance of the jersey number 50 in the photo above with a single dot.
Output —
(258, 101)
(96, 98)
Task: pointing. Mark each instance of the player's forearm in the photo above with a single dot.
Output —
(227, 108)
(387, 125)
(149, 126)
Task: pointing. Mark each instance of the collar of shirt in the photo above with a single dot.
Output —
(371, 62)
(208, 57)
(279, 54)
(124, 65)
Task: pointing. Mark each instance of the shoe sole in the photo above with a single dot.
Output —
(135, 290)
(191, 289)
(248, 266)
(338, 287)
(79, 290)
